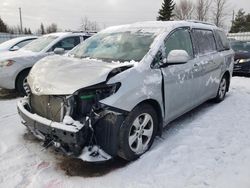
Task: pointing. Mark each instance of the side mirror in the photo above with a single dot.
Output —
(14, 48)
(178, 57)
(59, 51)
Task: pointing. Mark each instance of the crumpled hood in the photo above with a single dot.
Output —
(62, 75)
(15, 55)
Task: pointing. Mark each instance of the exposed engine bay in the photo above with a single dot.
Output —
(78, 124)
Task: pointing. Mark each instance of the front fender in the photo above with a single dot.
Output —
(136, 87)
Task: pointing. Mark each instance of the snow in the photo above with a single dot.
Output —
(208, 147)
(87, 154)
(51, 74)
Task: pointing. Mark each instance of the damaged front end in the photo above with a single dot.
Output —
(77, 124)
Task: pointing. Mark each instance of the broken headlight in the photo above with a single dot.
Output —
(99, 91)
(87, 99)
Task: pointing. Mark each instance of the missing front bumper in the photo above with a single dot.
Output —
(79, 137)
(72, 137)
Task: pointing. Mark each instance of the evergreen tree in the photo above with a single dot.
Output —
(3, 26)
(247, 23)
(11, 30)
(42, 29)
(241, 22)
(238, 22)
(166, 11)
(26, 31)
(29, 31)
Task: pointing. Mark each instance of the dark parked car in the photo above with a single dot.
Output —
(242, 57)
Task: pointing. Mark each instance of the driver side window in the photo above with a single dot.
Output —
(67, 43)
(179, 40)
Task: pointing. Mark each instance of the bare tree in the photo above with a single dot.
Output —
(87, 25)
(219, 12)
(184, 10)
(202, 9)
(52, 28)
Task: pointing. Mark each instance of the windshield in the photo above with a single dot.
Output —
(39, 44)
(122, 46)
(241, 46)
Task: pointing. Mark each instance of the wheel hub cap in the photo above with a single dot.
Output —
(141, 133)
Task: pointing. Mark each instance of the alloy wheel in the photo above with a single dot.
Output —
(223, 87)
(141, 133)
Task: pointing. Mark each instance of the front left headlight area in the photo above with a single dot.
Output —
(6, 63)
(104, 123)
(87, 99)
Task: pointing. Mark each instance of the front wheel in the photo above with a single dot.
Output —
(221, 93)
(138, 132)
(21, 82)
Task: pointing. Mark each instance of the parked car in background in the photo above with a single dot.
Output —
(15, 66)
(242, 57)
(16, 43)
(116, 91)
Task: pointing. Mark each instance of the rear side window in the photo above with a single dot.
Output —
(179, 40)
(23, 43)
(67, 43)
(222, 42)
(204, 41)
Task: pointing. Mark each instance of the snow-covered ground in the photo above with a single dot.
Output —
(208, 147)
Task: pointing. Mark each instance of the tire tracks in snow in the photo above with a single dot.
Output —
(8, 115)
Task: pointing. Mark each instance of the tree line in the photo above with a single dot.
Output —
(202, 10)
(4, 28)
(216, 11)
(85, 25)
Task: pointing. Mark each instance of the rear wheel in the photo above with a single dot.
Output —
(21, 82)
(138, 132)
(221, 93)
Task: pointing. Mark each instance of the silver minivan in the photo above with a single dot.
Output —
(115, 92)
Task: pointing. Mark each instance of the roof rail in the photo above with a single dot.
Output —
(87, 32)
(202, 22)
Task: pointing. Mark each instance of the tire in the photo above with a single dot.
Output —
(221, 93)
(20, 81)
(137, 133)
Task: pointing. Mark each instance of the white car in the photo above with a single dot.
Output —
(16, 43)
(15, 66)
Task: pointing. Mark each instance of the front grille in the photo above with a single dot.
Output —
(50, 107)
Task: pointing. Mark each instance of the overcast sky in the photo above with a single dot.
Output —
(68, 13)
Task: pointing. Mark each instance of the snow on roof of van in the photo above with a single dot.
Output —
(157, 26)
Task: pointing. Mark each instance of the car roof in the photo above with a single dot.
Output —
(65, 34)
(9, 43)
(157, 26)
(18, 39)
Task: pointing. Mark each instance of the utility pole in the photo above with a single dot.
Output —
(21, 21)
(233, 18)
